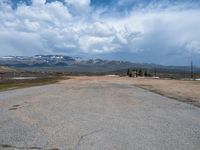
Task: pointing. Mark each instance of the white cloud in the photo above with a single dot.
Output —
(38, 2)
(54, 27)
(79, 5)
(96, 44)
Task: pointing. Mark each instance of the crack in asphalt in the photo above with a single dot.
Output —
(83, 136)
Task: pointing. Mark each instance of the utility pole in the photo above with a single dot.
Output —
(155, 71)
(192, 71)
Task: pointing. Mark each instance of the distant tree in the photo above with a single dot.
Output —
(155, 72)
(129, 72)
(146, 73)
(140, 73)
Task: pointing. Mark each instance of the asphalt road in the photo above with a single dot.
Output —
(96, 115)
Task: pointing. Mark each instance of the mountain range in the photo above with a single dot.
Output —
(77, 64)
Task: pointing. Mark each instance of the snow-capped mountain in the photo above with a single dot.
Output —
(76, 64)
(61, 61)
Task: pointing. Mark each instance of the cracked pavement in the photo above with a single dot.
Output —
(87, 113)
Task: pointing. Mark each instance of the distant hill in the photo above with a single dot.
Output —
(61, 63)
(6, 69)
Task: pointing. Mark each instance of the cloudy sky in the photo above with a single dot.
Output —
(151, 31)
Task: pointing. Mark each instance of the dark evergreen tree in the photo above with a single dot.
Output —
(146, 73)
(140, 73)
(129, 72)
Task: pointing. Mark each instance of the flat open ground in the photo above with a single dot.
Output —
(96, 113)
(186, 91)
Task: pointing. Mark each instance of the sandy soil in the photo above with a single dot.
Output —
(187, 91)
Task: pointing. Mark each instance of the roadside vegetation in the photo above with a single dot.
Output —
(162, 73)
(14, 79)
(6, 69)
(9, 84)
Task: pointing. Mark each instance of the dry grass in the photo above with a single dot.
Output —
(11, 84)
(6, 69)
(187, 91)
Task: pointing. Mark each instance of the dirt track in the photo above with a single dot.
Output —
(96, 113)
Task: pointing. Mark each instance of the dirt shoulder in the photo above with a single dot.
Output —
(186, 91)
